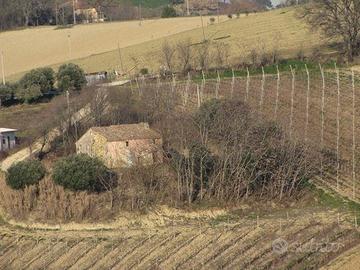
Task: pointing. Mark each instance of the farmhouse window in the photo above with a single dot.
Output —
(3, 141)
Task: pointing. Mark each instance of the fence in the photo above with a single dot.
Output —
(317, 107)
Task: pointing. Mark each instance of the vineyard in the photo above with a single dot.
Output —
(213, 244)
(319, 108)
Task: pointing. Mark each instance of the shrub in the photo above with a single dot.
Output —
(35, 83)
(29, 94)
(212, 20)
(82, 172)
(144, 71)
(42, 77)
(6, 93)
(168, 12)
(70, 77)
(25, 173)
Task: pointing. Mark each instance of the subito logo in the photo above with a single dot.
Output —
(280, 246)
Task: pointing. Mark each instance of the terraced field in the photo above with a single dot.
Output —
(239, 244)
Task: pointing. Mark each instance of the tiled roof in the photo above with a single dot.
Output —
(127, 132)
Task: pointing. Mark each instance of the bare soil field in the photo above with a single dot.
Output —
(296, 241)
(43, 46)
(348, 261)
(94, 47)
(278, 29)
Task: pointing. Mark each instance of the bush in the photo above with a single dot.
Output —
(168, 12)
(212, 20)
(25, 173)
(6, 93)
(70, 77)
(144, 71)
(35, 83)
(82, 172)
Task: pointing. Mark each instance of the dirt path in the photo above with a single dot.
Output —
(35, 148)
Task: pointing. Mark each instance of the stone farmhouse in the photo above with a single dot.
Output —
(122, 145)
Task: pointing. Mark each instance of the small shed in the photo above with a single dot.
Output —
(122, 145)
(7, 139)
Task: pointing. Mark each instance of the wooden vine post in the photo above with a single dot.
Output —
(307, 103)
(337, 128)
(353, 135)
(218, 80)
(262, 89)
(292, 100)
(247, 84)
(232, 84)
(198, 95)
(322, 114)
(277, 92)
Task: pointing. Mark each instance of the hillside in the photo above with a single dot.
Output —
(95, 46)
(85, 41)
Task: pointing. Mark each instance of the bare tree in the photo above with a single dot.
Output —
(168, 53)
(336, 19)
(203, 55)
(222, 53)
(184, 54)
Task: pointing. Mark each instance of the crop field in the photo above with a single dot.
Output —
(43, 46)
(278, 29)
(95, 47)
(220, 244)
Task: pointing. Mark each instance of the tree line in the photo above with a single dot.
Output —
(41, 82)
(20, 13)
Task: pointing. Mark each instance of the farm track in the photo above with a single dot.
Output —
(242, 245)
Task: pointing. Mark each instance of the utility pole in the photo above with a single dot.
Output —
(202, 26)
(74, 13)
(187, 8)
(3, 67)
(140, 14)
(120, 58)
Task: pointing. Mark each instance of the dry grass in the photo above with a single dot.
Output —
(95, 46)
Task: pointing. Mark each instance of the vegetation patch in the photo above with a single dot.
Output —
(82, 172)
(25, 173)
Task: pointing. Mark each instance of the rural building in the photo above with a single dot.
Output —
(7, 139)
(122, 145)
(88, 13)
(96, 77)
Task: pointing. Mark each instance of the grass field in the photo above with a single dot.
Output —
(95, 46)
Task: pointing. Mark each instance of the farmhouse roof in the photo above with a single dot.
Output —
(4, 130)
(127, 132)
